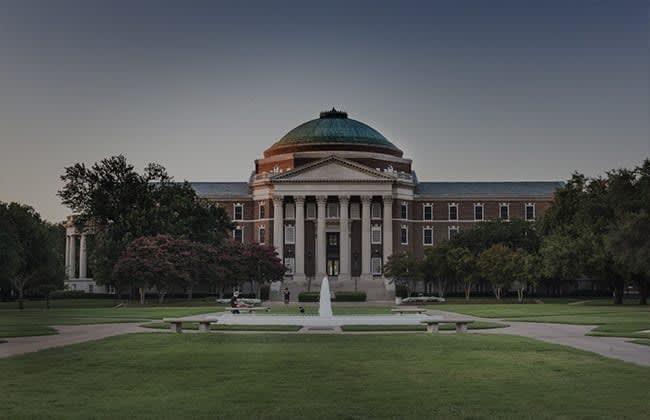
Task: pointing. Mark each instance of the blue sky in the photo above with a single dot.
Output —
(471, 90)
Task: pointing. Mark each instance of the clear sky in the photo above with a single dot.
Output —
(470, 90)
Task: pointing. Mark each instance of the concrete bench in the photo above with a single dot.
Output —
(402, 311)
(176, 324)
(250, 310)
(433, 324)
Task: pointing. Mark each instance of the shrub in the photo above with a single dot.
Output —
(401, 291)
(309, 297)
(350, 296)
(80, 294)
(265, 291)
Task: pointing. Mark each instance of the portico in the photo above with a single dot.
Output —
(333, 217)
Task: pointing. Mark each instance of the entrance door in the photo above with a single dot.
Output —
(332, 250)
(332, 267)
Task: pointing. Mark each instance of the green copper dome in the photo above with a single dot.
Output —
(333, 128)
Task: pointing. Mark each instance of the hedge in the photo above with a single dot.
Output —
(309, 297)
(350, 296)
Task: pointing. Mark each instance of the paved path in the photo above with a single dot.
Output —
(568, 335)
(68, 334)
(564, 334)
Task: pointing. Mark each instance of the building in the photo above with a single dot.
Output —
(336, 198)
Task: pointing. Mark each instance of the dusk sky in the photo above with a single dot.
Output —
(470, 90)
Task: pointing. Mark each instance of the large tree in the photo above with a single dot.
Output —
(463, 268)
(630, 247)
(404, 269)
(590, 212)
(436, 268)
(121, 205)
(31, 250)
(515, 234)
(495, 264)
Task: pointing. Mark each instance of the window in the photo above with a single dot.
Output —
(290, 264)
(453, 211)
(404, 211)
(504, 211)
(91, 288)
(262, 213)
(530, 211)
(289, 234)
(355, 211)
(375, 266)
(453, 230)
(427, 235)
(238, 234)
(238, 212)
(332, 210)
(478, 211)
(404, 235)
(261, 234)
(311, 210)
(375, 234)
(427, 212)
(375, 211)
(289, 211)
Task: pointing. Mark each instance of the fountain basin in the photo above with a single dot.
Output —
(323, 321)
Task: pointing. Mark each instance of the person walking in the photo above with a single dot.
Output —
(287, 295)
(234, 302)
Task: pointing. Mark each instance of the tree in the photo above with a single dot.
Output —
(32, 249)
(590, 212)
(403, 269)
(435, 266)
(262, 264)
(524, 271)
(122, 205)
(495, 264)
(630, 246)
(462, 265)
(514, 234)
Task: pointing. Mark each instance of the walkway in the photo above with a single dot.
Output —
(568, 335)
(68, 334)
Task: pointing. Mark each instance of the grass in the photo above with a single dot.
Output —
(38, 321)
(612, 320)
(442, 327)
(641, 341)
(224, 327)
(35, 319)
(316, 377)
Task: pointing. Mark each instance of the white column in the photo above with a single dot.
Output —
(300, 236)
(321, 202)
(344, 269)
(278, 227)
(365, 236)
(67, 255)
(73, 256)
(83, 255)
(388, 227)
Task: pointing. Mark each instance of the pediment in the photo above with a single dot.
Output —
(333, 169)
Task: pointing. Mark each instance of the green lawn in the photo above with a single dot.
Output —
(38, 321)
(612, 320)
(312, 377)
(443, 327)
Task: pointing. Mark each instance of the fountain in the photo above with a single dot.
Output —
(325, 318)
(325, 303)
